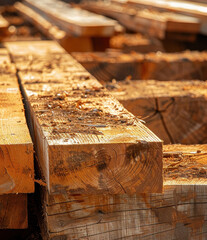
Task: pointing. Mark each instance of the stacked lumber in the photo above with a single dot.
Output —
(77, 30)
(193, 9)
(75, 21)
(3, 27)
(174, 110)
(177, 213)
(150, 22)
(135, 42)
(85, 141)
(16, 150)
(160, 66)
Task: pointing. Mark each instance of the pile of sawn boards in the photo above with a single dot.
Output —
(106, 174)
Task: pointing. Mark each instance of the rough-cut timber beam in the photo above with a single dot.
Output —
(16, 149)
(175, 110)
(13, 211)
(74, 21)
(152, 23)
(179, 213)
(160, 66)
(86, 142)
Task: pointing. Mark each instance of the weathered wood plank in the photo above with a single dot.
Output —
(180, 212)
(174, 110)
(75, 21)
(16, 148)
(150, 22)
(85, 140)
(106, 66)
(13, 211)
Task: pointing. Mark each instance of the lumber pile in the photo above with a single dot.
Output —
(3, 27)
(16, 150)
(85, 141)
(106, 66)
(176, 111)
(177, 213)
(135, 42)
(150, 22)
(193, 9)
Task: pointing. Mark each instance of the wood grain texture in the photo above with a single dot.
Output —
(106, 66)
(74, 21)
(85, 140)
(174, 110)
(13, 211)
(150, 22)
(16, 148)
(180, 212)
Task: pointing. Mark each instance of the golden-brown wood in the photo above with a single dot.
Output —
(175, 110)
(13, 211)
(75, 21)
(180, 212)
(86, 142)
(16, 149)
(106, 66)
(150, 22)
(3, 27)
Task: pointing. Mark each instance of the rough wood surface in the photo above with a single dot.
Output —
(85, 140)
(197, 10)
(106, 66)
(150, 22)
(135, 42)
(74, 21)
(174, 110)
(180, 212)
(13, 211)
(16, 149)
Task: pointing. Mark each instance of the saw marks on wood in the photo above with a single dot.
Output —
(106, 66)
(86, 142)
(16, 149)
(174, 110)
(178, 213)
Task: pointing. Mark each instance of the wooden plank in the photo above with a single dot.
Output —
(3, 27)
(174, 110)
(135, 42)
(53, 31)
(85, 140)
(197, 10)
(150, 22)
(16, 148)
(106, 66)
(180, 212)
(13, 211)
(75, 21)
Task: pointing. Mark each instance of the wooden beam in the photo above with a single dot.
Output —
(3, 27)
(16, 149)
(74, 21)
(152, 23)
(86, 142)
(174, 110)
(135, 42)
(197, 10)
(180, 212)
(13, 211)
(159, 66)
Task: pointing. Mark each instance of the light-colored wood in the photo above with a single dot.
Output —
(16, 148)
(106, 66)
(150, 22)
(75, 21)
(86, 142)
(174, 110)
(180, 212)
(197, 10)
(13, 211)
(53, 31)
